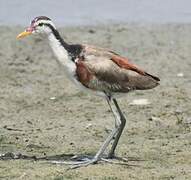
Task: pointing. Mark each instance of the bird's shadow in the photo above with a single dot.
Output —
(16, 156)
(59, 158)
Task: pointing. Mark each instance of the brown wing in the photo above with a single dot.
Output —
(97, 76)
(103, 70)
(124, 63)
(119, 60)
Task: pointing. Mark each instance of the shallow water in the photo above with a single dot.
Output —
(87, 12)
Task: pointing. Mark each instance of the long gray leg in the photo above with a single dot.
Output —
(115, 113)
(116, 133)
(99, 154)
(119, 118)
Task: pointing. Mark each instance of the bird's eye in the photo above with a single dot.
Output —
(40, 24)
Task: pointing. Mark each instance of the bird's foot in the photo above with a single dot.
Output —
(83, 161)
(116, 160)
(77, 162)
(121, 160)
(114, 157)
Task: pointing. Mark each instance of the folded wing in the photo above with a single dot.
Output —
(105, 71)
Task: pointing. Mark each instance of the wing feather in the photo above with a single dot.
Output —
(124, 63)
(103, 70)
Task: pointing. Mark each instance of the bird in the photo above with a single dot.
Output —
(98, 71)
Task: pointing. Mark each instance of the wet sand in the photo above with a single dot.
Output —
(44, 114)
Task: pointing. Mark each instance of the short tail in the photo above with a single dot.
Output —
(154, 77)
(146, 81)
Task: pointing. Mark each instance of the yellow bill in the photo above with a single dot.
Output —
(24, 34)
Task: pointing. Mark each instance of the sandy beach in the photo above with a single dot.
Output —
(43, 114)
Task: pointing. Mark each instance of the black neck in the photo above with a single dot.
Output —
(58, 37)
(74, 50)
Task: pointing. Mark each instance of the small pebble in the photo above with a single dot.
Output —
(153, 118)
(180, 75)
(29, 122)
(188, 121)
(178, 111)
(140, 102)
(91, 31)
(89, 125)
(52, 98)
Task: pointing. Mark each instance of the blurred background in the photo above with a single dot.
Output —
(83, 12)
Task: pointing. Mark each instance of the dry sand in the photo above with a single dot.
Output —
(42, 113)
